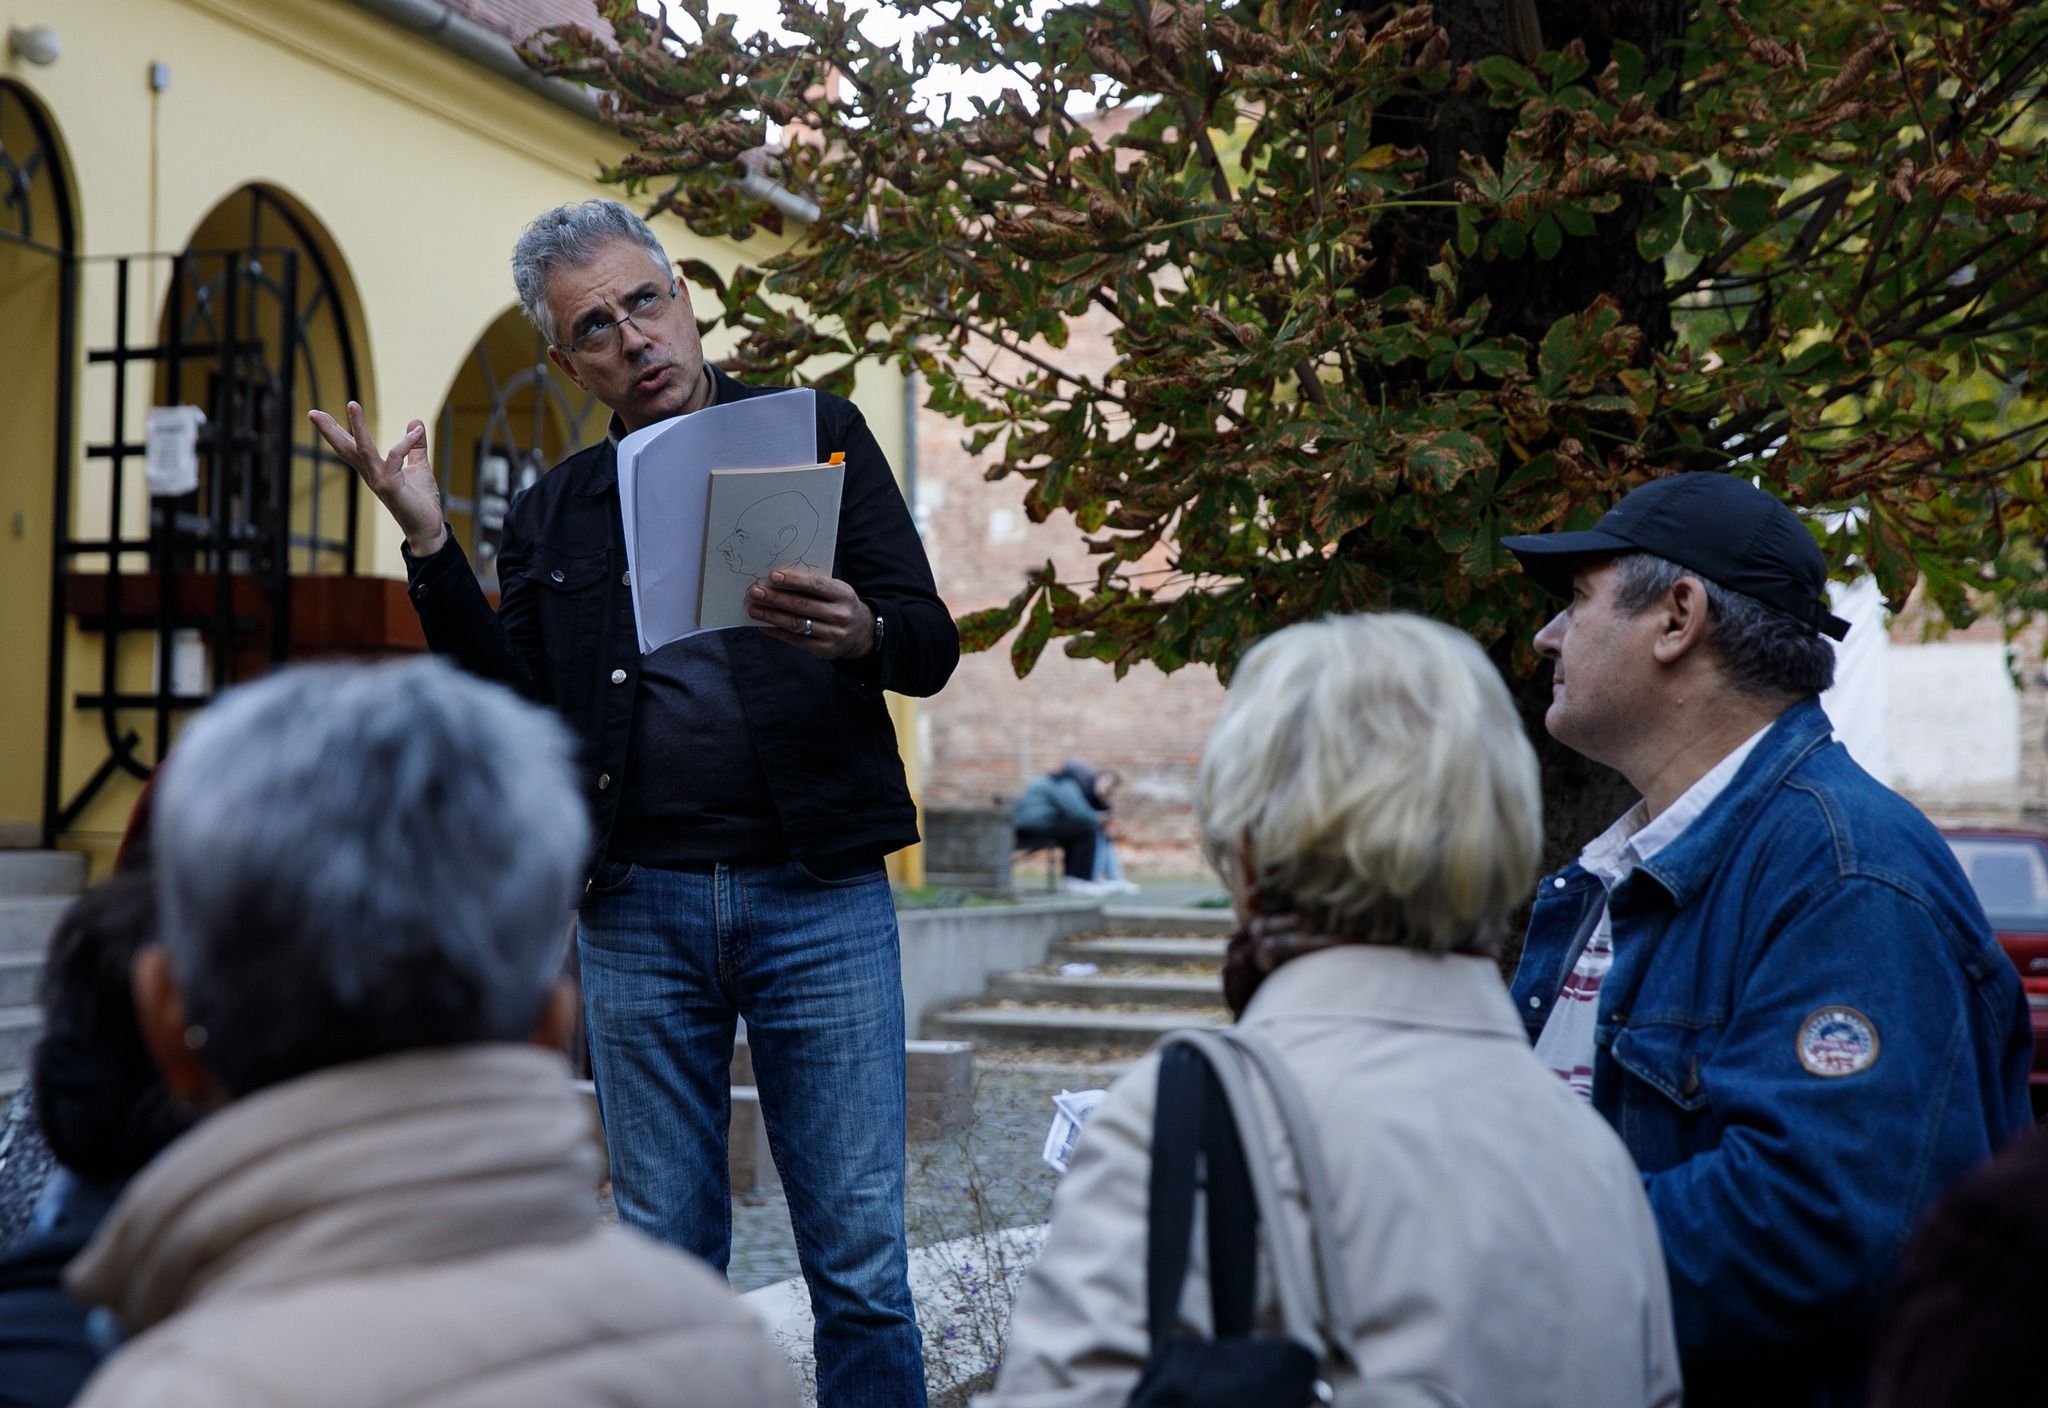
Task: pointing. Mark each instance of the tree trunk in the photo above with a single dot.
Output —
(1580, 798)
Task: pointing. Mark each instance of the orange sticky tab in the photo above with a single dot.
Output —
(837, 457)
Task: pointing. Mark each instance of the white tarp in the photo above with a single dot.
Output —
(1860, 703)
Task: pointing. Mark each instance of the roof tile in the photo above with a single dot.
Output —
(515, 19)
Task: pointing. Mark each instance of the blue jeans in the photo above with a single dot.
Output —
(670, 959)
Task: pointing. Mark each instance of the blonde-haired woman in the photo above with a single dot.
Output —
(1371, 802)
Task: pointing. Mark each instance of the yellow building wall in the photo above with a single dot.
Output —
(30, 284)
(420, 167)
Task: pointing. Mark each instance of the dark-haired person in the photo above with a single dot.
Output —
(1770, 975)
(362, 875)
(1960, 1323)
(105, 1114)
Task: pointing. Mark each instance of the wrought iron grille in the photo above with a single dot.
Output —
(213, 565)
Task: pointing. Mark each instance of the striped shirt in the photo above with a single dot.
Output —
(1567, 1044)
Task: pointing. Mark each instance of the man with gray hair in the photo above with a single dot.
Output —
(391, 1198)
(745, 786)
(1770, 975)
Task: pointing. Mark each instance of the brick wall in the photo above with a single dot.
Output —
(989, 732)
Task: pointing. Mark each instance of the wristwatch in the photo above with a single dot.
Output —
(875, 647)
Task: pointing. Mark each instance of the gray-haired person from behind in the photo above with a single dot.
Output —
(365, 875)
(1370, 801)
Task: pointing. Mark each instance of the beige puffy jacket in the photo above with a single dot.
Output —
(418, 1230)
(1497, 1245)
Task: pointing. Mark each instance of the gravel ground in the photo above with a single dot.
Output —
(987, 1177)
(25, 1164)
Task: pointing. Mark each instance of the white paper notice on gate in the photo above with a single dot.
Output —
(172, 466)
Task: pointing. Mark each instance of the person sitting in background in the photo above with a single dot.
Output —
(1109, 869)
(1061, 809)
(364, 878)
(1371, 802)
(105, 1114)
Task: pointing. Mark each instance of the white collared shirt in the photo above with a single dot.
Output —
(1567, 1045)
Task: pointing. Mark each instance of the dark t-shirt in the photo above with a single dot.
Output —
(694, 792)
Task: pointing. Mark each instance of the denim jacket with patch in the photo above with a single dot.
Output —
(1785, 1196)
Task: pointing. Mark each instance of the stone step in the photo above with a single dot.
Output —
(20, 975)
(19, 1027)
(1070, 1028)
(1111, 989)
(25, 924)
(1177, 921)
(42, 872)
(1119, 951)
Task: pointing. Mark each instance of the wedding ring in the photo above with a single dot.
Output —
(807, 625)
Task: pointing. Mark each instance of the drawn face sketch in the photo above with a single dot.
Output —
(774, 532)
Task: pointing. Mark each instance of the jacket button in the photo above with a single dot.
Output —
(1535, 1001)
(556, 574)
(627, 580)
(604, 780)
(1558, 883)
(618, 676)
(419, 591)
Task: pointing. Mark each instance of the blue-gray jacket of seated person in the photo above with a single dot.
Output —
(563, 634)
(1052, 800)
(1808, 1031)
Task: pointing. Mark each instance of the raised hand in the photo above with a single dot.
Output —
(402, 480)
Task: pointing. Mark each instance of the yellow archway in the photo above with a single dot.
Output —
(261, 268)
(178, 586)
(508, 418)
(38, 293)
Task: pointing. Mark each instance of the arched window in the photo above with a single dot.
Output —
(262, 298)
(508, 419)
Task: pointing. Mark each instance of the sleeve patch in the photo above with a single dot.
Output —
(1837, 1041)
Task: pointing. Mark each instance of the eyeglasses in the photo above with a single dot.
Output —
(605, 339)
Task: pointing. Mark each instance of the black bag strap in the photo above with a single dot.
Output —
(1193, 1118)
(1170, 1209)
(1233, 1220)
(1295, 1286)
(1334, 1316)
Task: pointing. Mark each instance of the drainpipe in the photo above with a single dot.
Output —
(487, 48)
(910, 443)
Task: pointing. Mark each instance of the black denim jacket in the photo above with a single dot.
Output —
(563, 635)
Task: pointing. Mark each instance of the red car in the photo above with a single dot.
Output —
(2009, 871)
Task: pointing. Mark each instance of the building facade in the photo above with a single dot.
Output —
(228, 212)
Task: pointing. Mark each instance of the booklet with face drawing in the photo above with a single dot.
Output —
(664, 473)
(759, 520)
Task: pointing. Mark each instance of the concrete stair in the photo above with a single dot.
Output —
(1111, 989)
(20, 975)
(35, 888)
(1111, 953)
(1142, 985)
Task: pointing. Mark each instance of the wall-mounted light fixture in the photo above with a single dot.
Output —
(37, 45)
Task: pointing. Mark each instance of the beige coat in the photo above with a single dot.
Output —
(1498, 1247)
(417, 1230)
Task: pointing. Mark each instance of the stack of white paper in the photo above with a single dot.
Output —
(664, 491)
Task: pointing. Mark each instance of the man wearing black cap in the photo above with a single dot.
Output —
(1770, 975)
